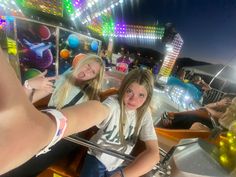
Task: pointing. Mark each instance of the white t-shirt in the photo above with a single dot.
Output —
(73, 92)
(108, 134)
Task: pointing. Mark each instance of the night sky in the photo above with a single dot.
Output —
(208, 27)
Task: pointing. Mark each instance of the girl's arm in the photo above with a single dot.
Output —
(215, 114)
(38, 95)
(144, 162)
(84, 116)
(219, 104)
(212, 108)
(205, 86)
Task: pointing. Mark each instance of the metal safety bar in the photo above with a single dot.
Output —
(83, 142)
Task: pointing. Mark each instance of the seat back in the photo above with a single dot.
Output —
(177, 134)
(108, 92)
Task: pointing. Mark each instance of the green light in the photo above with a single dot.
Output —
(68, 6)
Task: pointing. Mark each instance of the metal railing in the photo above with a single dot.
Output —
(162, 168)
(212, 96)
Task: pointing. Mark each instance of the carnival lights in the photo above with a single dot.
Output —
(122, 30)
(172, 52)
(53, 7)
(93, 9)
(9, 7)
(3, 22)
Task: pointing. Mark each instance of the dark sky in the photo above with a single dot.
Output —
(208, 27)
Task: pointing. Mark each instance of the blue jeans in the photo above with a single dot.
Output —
(94, 168)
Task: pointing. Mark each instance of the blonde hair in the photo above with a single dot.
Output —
(94, 85)
(229, 116)
(141, 77)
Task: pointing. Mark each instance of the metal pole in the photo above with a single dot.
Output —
(81, 141)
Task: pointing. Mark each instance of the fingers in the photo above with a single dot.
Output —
(48, 87)
(43, 74)
(52, 78)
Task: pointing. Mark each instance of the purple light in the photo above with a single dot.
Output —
(120, 29)
(78, 3)
(2, 22)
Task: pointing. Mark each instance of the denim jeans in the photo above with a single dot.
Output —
(94, 168)
(184, 120)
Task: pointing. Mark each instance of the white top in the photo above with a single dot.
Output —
(108, 133)
(73, 92)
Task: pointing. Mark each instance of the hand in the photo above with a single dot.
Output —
(224, 102)
(117, 174)
(41, 82)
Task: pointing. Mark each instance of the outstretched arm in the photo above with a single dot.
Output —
(205, 86)
(83, 116)
(144, 162)
(225, 102)
(24, 130)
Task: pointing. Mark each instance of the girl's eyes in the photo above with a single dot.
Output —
(90, 69)
(128, 91)
(141, 95)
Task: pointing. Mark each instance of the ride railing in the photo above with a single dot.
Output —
(161, 169)
(212, 95)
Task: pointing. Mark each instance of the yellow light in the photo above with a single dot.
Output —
(232, 140)
(11, 46)
(224, 160)
(233, 149)
(222, 143)
(229, 134)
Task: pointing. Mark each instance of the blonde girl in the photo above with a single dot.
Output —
(129, 119)
(86, 76)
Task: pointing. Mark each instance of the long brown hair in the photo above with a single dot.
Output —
(141, 77)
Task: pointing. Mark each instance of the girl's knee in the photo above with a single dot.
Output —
(199, 126)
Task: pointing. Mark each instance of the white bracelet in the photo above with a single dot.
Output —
(26, 85)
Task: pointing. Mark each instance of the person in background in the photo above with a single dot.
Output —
(134, 64)
(124, 59)
(198, 82)
(191, 119)
(181, 74)
(156, 69)
(129, 119)
(103, 56)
